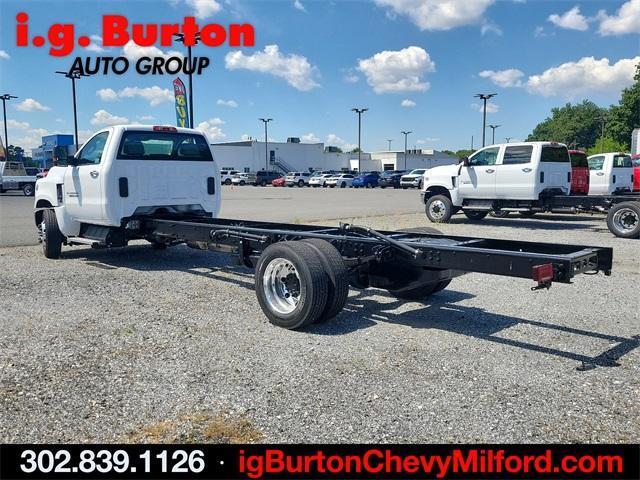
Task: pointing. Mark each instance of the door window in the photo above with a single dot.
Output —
(517, 154)
(488, 156)
(91, 152)
(596, 163)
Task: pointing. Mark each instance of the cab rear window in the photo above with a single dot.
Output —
(622, 161)
(579, 160)
(554, 154)
(184, 147)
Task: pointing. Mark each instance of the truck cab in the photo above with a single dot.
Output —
(610, 173)
(123, 174)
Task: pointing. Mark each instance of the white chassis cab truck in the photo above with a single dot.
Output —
(13, 176)
(610, 173)
(507, 177)
(161, 184)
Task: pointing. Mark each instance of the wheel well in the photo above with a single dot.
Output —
(38, 214)
(432, 191)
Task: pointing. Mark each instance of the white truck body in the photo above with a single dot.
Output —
(13, 176)
(610, 173)
(513, 171)
(124, 172)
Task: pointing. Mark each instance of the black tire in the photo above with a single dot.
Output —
(300, 183)
(499, 213)
(421, 292)
(312, 284)
(527, 214)
(426, 230)
(623, 220)
(29, 190)
(242, 183)
(263, 183)
(52, 237)
(227, 181)
(338, 276)
(343, 185)
(439, 209)
(475, 214)
(158, 245)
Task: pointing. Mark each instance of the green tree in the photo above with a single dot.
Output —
(625, 116)
(464, 153)
(607, 145)
(578, 125)
(15, 153)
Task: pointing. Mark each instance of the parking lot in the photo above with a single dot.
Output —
(142, 345)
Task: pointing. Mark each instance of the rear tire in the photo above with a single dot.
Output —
(439, 209)
(475, 214)
(52, 237)
(300, 183)
(499, 213)
(291, 284)
(29, 190)
(623, 220)
(227, 181)
(337, 274)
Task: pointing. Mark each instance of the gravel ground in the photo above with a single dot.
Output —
(142, 345)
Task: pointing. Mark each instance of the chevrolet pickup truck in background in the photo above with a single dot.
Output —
(13, 176)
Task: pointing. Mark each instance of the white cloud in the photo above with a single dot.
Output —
(297, 4)
(295, 69)
(511, 77)
(227, 103)
(424, 141)
(96, 44)
(587, 75)
(491, 107)
(407, 103)
(351, 77)
(626, 20)
(334, 140)
(212, 129)
(32, 138)
(107, 94)
(571, 20)
(13, 124)
(102, 118)
(397, 71)
(146, 118)
(134, 52)
(246, 137)
(84, 135)
(310, 138)
(154, 95)
(489, 27)
(204, 8)
(4, 55)
(31, 105)
(439, 14)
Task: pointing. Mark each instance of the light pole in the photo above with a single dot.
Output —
(389, 140)
(493, 133)
(4, 99)
(508, 139)
(603, 119)
(74, 75)
(359, 111)
(180, 38)
(484, 97)
(405, 146)
(266, 138)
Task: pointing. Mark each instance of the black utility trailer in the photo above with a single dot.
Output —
(303, 272)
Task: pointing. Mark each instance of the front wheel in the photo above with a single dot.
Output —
(343, 185)
(28, 190)
(475, 214)
(51, 235)
(227, 181)
(242, 182)
(439, 209)
(623, 220)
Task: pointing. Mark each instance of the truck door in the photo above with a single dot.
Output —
(598, 179)
(478, 180)
(622, 173)
(515, 176)
(83, 182)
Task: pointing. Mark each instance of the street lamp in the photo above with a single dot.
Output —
(389, 140)
(484, 97)
(180, 38)
(4, 99)
(74, 75)
(359, 111)
(405, 147)
(266, 138)
(602, 119)
(493, 133)
(508, 139)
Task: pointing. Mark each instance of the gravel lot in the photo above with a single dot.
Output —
(142, 345)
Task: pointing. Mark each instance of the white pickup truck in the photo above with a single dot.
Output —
(119, 174)
(610, 173)
(510, 176)
(13, 176)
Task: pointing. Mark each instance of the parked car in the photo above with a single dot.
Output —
(32, 171)
(278, 182)
(610, 173)
(297, 178)
(635, 159)
(320, 180)
(391, 178)
(264, 178)
(243, 178)
(227, 175)
(366, 180)
(579, 172)
(341, 180)
(413, 179)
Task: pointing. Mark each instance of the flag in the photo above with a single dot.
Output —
(182, 112)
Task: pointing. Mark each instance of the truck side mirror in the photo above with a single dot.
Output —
(73, 161)
(465, 161)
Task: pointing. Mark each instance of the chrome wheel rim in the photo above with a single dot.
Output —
(281, 285)
(437, 209)
(43, 231)
(626, 220)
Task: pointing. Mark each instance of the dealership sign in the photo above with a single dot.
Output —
(182, 111)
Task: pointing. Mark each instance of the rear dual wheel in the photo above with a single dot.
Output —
(301, 282)
(623, 220)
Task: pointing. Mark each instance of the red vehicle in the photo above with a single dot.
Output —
(278, 182)
(579, 172)
(636, 172)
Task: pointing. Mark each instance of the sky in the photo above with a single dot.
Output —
(415, 64)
